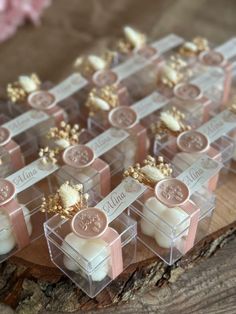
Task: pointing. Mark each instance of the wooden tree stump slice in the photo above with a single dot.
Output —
(32, 273)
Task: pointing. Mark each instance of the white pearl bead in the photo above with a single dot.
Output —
(93, 251)
(151, 207)
(172, 217)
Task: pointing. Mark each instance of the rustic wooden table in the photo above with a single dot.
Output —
(72, 27)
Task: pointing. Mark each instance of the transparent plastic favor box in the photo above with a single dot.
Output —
(15, 151)
(171, 232)
(16, 230)
(88, 263)
(65, 110)
(221, 150)
(98, 175)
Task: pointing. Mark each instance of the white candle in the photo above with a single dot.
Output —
(7, 238)
(151, 209)
(172, 217)
(158, 217)
(95, 251)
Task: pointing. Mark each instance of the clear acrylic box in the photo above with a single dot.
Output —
(221, 150)
(20, 230)
(17, 150)
(191, 101)
(90, 271)
(63, 110)
(97, 175)
(133, 149)
(176, 69)
(171, 232)
(138, 73)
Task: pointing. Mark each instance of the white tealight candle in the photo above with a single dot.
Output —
(7, 238)
(172, 217)
(72, 246)
(94, 251)
(151, 209)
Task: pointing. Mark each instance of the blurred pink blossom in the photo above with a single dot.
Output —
(13, 13)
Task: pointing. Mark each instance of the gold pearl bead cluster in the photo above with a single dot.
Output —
(107, 93)
(195, 47)
(126, 47)
(17, 93)
(65, 132)
(48, 155)
(136, 171)
(176, 64)
(53, 204)
(161, 129)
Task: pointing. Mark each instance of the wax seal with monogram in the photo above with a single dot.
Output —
(187, 91)
(212, 58)
(172, 192)
(193, 142)
(78, 156)
(123, 117)
(41, 100)
(147, 52)
(105, 77)
(89, 223)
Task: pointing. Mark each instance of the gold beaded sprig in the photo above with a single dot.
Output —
(133, 39)
(19, 90)
(173, 71)
(88, 65)
(63, 137)
(48, 155)
(194, 47)
(152, 171)
(102, 99)
(171, 122)
(65, 132)
(67, 201)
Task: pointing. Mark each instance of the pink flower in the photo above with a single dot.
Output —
(13, 13)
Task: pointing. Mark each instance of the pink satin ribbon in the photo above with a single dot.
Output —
(58, 113)
(194, 213)
(112, 237)
(227, 82)
(139, 132)
(18, 224)
(14, 150)
(103, 170)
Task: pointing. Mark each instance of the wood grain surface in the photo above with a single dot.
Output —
(68, 29)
